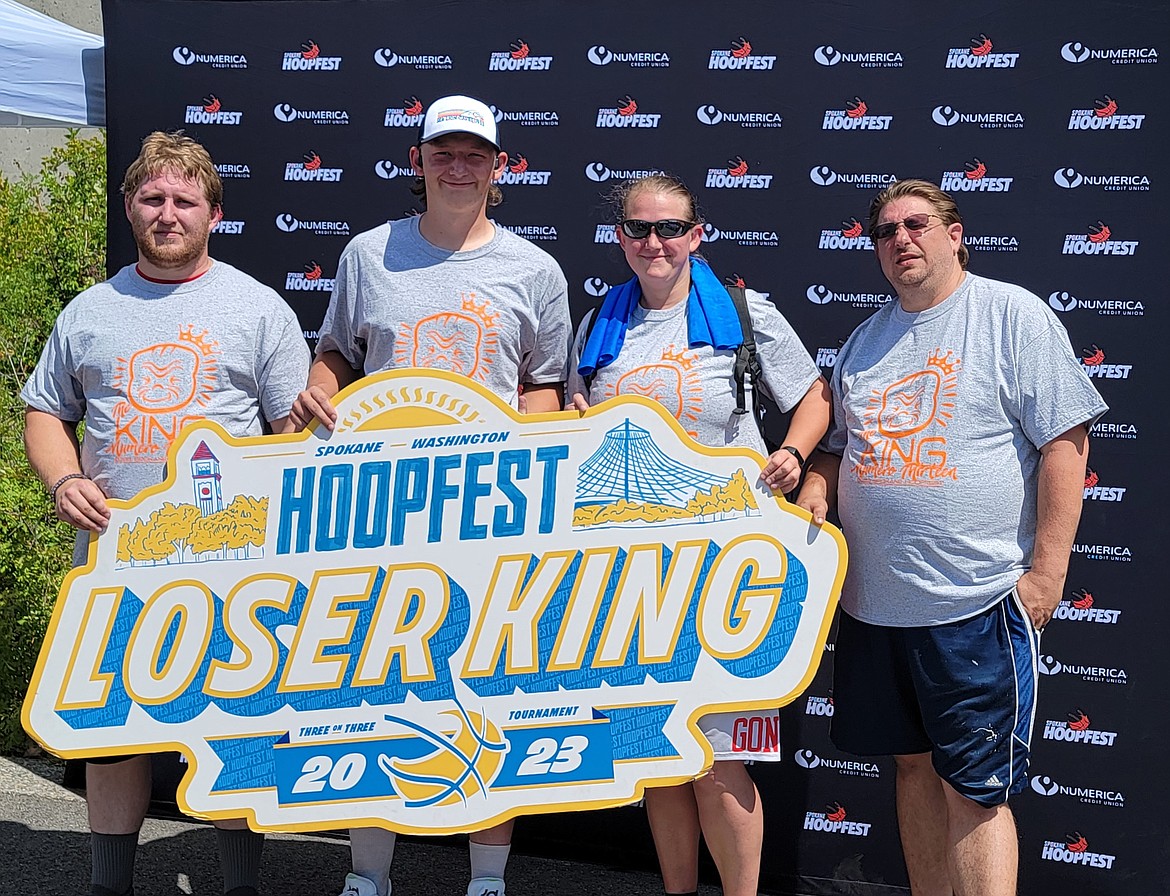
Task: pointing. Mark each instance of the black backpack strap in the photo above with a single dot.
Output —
(589, 320)
(747, 363)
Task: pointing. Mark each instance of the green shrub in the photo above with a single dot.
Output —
(52, 246)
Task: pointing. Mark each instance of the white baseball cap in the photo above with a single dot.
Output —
(459, 115)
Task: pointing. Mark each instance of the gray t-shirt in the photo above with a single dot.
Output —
(138, 360)
(697, 385)
(938, 417)
(498, 314)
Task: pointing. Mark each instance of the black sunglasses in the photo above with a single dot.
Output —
(913, 224)
(667, 229)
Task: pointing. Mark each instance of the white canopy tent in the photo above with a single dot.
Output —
(51, 74)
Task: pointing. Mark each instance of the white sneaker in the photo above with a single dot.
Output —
(486, 886)
(356, 885)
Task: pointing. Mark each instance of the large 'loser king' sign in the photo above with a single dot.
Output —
(438, 616)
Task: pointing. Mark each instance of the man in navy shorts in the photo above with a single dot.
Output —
(957, 460)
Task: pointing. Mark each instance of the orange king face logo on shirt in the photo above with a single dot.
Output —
(904, 426)
(165, 386)
(672, 382)
(464, 341)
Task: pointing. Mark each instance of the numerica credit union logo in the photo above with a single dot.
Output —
(311, 168)
(855, 117)
(1065, 302)
(309, 59)
(830, 55)
(596, 287)
(387, 170)
(974, 179)
(292, 224)
(1074, 850)
(545, 232)
(529, 118)
(1094, 491)
(1077, 728)
(745, 238)
(854, 769)
(519, 171)
(1113, 430)
(740, 57)
(1092, 796)
(603, 55)
(948, 116)
(824, 176)
(288, 113)
(1077, 52)
(1093, 361)
(835, 820)
(407, 115)
(980, 53)
(819, 294)
(1116, 553)
(211, 111)
(850, 236)
(735, 176)
(387, 58)
(1103, 116)
(991, 242)
(712, 115)
(518, 58)
(626, 115)
(1071, 179)
(309, 279)
(1050, 665)
(1081, 606)
(1097, 241)
(599, 172)
(228, 169)
(187, 56)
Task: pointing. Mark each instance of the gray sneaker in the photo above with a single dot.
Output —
(356, 885)
(486, 886)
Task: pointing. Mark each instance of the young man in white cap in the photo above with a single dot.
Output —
(448, 289)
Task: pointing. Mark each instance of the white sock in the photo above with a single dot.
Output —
(488, 860)
(372, 851)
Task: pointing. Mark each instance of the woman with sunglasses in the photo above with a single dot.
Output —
(671, 334)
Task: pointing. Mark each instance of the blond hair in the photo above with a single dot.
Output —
(944, 206)
(174, 151)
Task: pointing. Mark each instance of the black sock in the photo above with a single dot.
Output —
(239, 859)
(113, 863)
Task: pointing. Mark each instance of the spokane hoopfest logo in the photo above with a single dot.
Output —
(1050, 665)
(855, 117)
(528, 118)
(853, 769)
(309, 59)
(288, 114)
(626, 115)
(518, 58)
(228, 227)
(311, 168)
(712, 115)
(1081, 606)
(735, 176)
(835, 820)
(819, 706)
(387, 58)
(1077, 52)
(1104, 116)
(948, 116)
(387, 170)
(1090, 796)
(407, 115)
(827, 355)
(824, 176)
(596, 287)
(602, 55)
(819, 294)
(1074, 850)
(1097, 241)
(292, 224)
(599, 172)
(1095, 491)
(187, 56)
(829, 55)
(980, 53)
(227, 169)
(311, 278)
(850, 236)
(1077, 728)
(974, 179)
(1064, 302)
(211, 111)
(1071, 178)
(740, 57)
(519, 171)
(1093, 362)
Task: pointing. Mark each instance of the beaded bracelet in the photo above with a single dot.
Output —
(60, 482)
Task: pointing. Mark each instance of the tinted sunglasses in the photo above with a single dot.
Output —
(667, 229)
(913, 224)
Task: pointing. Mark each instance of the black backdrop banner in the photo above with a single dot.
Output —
(1044, 119)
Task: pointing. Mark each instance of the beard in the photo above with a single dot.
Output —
(173, 254)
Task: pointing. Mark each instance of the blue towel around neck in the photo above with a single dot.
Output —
(711, 318)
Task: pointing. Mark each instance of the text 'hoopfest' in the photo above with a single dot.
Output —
(439, 615)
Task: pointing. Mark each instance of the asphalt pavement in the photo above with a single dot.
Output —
(44, 851)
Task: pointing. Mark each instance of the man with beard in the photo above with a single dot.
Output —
(175, 338)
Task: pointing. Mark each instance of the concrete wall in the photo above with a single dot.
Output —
(21, 149)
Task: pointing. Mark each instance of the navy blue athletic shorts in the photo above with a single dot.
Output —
(965, 692)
